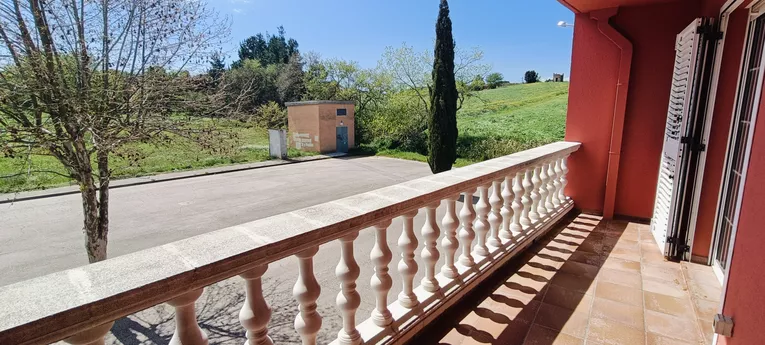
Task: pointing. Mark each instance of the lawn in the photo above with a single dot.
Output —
(506, 120)
(249, 144)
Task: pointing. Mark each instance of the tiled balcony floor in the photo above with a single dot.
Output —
(587, 282)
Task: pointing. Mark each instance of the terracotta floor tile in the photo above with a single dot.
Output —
(705, 310)
(541, 274)
(588, 258)
(539, 335)
(580, 269)
(569, 299)
(564, 320)
(613, 333)
(572, 282)
(671, 326)
(619, 293)
(622, 265)
(701, 275)
(629, 279)
(680, 307)
(670, 288)
(655, 339)
(663, 272)
(629, 315)
(707, 330)
(626, 254)
(704, 291)
(526, 284)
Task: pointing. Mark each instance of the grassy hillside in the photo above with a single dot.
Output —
(507, 120)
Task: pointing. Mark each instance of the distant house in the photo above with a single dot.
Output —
(557, 77)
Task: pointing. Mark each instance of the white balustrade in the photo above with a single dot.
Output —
(306, 292)
(187, 330)
(381, 281)
(556, 184)
(527, 201)
(535, 184)
(466, 233)
(563, 179)
(495, 217)
(549, 204)
(450, 223)
(255, 312)
(516, 226)
(507, 213)
(348, 299)
(543, 180)
(407, 267)
(430, 234)
(482, 222)
(528, 196)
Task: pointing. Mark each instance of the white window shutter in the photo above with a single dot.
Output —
(686, 56)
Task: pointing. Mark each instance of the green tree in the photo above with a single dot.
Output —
(494, 80)
(442, 124)
(268, 49)
(531, 77)
(217, 68)
(290, 82)
(478, 83)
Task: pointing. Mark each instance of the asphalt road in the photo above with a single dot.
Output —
(44, 236)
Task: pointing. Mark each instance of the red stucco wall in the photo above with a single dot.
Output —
(594, 67)
(592, 92)
(743, 300)
(718, 136)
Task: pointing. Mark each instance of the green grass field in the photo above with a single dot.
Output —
(40, 171)
(506, 120)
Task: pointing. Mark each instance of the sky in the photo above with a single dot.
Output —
(515, 35)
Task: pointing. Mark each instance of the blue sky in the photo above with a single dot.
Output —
(515, 35)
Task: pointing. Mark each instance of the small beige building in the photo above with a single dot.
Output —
(321, 126)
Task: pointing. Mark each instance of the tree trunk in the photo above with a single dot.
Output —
(95, 207)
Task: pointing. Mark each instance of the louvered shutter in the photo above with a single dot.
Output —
(686, 60)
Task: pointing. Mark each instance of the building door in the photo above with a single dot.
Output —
(739, 142)
(683, 138)
(342, 139)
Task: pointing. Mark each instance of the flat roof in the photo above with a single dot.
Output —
(290, 104)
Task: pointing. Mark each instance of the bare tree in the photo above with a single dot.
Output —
(81, 78)
(412, 70)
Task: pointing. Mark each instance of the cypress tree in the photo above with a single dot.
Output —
(442, 122)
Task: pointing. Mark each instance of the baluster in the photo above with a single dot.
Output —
(535, 184)
(92, 336)
(527, 202)
(507, 212)
(550, 205)
(450, 223)
(482, 223)
(306, 292)
(407, 267)
(467, 235)
(381, 280)
(348, 299)
(563, 179)
(255, 313)
(430, 255)
(187, 330)
(518, 191)
(495, 217)
(556, 183)
(543, 180)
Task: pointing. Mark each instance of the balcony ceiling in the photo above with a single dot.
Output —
(584, 6)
